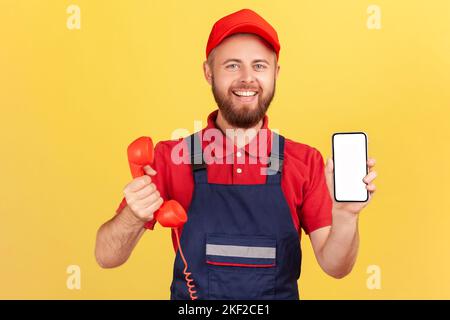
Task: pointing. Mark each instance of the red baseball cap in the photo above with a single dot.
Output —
(242, 21)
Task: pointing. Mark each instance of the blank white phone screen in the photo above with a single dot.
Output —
(350, 166)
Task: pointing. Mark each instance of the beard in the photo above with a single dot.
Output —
(244, 116)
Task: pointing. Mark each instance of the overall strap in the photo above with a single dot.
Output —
(198, 163)
(276, 159)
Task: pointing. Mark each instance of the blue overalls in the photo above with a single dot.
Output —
(240, 241)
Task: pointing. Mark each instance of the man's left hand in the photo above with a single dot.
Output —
(351, 207)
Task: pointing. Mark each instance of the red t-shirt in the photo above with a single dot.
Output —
(303, 179)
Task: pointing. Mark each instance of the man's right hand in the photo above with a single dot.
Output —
(142, 197)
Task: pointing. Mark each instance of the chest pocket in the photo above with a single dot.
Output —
(241, 267)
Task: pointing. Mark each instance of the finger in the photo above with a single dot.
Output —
(329, 165)
(149, 170)
(146, 191)
(138, 183)
(371, 194)
(372, 175)
(144, 203)
(371, 164)
(155, 205)
(371, 187)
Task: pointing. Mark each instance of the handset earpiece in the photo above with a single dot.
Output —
(140, 153)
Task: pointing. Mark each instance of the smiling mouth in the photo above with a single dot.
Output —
(245, 93)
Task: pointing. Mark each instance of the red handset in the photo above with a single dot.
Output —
(140, 153)
(171, 214)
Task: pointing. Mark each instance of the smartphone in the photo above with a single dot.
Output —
(350, 166)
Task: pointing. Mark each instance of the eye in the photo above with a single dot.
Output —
(232, 66)
(260, 66)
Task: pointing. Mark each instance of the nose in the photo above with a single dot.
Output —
(247, 75)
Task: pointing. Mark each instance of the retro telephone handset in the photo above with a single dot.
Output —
(171, 214)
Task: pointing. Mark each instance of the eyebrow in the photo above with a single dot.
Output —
(240, 61)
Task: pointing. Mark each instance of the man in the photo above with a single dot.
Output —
(241, 239)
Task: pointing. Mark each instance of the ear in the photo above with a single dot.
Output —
(277, 70)
(207, 72)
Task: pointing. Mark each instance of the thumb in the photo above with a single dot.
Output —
(329, 174)
(149, 170)
(329, 165)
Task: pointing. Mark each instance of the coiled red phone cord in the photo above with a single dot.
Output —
(189, 280)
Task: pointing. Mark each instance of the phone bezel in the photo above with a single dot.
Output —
(367, 170)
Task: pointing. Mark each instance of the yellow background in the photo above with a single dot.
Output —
(72, 100)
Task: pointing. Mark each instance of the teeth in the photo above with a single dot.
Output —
(245, 93)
